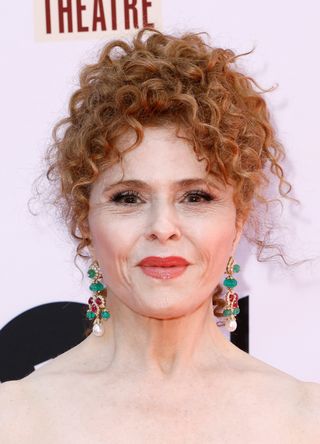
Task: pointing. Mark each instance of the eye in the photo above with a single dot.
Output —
(198, 196)
(125, 197)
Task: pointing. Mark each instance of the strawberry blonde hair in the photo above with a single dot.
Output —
(159, 79)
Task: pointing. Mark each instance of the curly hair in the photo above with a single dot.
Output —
(160, 79)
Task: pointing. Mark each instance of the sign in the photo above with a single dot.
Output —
(78, 19)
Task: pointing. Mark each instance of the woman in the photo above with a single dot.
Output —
(160, 168)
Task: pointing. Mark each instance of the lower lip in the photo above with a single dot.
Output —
(164, 272)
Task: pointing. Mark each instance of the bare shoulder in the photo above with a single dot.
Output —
(22, 401)
(17, 412)
(297, 400)
(26, 404)
(78, 359)
(297, 406)
(310, 397)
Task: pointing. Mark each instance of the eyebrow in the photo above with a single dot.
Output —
(145, 186)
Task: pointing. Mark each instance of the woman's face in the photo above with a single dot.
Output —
(163, 206)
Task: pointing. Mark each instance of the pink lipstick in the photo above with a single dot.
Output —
(163, 267)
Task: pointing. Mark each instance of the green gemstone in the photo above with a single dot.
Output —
(230, 282)
(92, 273)
(105, 314)
(236, 311)
(236, 268)
(227, 312)
(90, 315)
(97, 286)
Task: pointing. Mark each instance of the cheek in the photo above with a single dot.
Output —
(112, 240)
(214, 243)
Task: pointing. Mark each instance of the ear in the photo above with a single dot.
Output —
(236, 240)
(91, 251)
(85, 232)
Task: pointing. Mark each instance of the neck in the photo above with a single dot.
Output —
(162, 348)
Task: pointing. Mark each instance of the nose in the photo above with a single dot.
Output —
(163, 223)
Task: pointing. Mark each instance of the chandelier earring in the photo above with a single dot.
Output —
(97, 303)
(231, 298)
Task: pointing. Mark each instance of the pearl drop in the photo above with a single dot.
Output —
(231, 324)
(98, 329)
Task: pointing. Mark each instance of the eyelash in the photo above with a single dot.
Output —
(123, 194)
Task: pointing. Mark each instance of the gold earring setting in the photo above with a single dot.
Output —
(232, 307)
(97, 306)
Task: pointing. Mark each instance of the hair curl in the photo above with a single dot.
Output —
(158, 80)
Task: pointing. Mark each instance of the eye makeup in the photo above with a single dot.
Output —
(128, 197)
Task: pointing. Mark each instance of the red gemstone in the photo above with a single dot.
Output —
(233, 297)
(91, 300)
(99, 301)
(235, 304)
(94, 308)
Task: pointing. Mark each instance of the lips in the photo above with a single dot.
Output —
(170, 261)
(164, 267)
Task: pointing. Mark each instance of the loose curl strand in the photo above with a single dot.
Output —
(160, 79)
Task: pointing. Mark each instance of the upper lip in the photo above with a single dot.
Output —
(169, 261)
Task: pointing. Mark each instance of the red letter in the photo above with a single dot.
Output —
(133, 7)
(81, 8)
(62, 10)
(114, 14)
(145, 5)
(48, 17)
(98, 5)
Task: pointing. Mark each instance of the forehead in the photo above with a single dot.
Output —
(161, 156)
